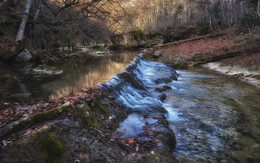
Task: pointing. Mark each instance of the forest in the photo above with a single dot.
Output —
(148, 81)
(48, 24)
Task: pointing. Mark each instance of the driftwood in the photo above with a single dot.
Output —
(32, 120)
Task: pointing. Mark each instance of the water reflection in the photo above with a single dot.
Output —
(86, 72)
(79, 74)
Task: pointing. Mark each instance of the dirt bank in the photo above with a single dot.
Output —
(226, 51)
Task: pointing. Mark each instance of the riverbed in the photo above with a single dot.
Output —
(215, 118)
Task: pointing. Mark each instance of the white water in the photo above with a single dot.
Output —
(214, 118)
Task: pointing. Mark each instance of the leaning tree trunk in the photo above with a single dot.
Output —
(20, 33)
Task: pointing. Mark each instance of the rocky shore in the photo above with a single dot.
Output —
(82, 128)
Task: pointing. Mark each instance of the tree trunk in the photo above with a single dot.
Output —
(258, 8)
(37, 13)
(24, 21)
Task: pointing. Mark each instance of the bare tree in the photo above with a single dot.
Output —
(258, 8)
(20, 33)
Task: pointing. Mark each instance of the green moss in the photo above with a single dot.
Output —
(102, 108)
(83, 114)
(50, 145)
(34, 119)
(138, 33)
(49, 114)
(256, 77)
(95, 125)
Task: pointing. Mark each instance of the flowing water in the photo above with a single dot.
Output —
(215, 118)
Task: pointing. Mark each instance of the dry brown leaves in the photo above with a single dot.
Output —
(137, 145)
(11, 111)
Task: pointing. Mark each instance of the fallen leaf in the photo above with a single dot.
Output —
(137, 148)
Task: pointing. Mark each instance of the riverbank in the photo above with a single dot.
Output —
(83, 130)
(226, 51)
(92, 125)
(245, 68)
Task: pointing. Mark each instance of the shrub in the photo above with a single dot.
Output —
(138, 33)
(204, 30)
(249, 21)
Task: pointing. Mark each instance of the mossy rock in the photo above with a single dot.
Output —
(256, 77)
(86, 117)
(50, 145)
(83, 114)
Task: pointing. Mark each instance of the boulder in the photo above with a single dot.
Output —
(162, 97)
(163, 80)
(157, 54)
(46, 70)
(127, 41)
(162, 89)
(24, 56)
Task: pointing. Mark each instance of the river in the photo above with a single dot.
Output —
(215, 118)
(78, 74)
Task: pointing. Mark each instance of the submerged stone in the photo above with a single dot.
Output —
(162, 97)
(162, 89)
(46, 70)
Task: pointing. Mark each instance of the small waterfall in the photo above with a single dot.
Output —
(203, 109)
(136, 87)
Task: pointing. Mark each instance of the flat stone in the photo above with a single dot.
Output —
(46, 70)
(157, 54)
(24, 56)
